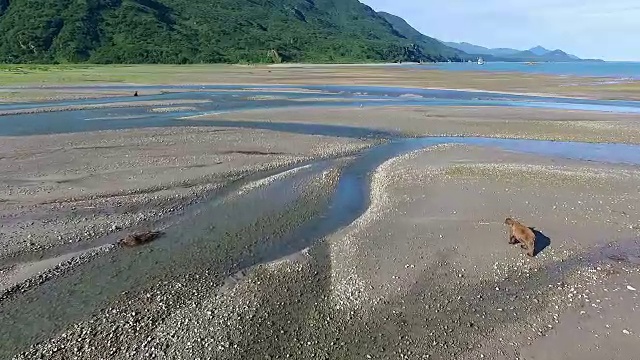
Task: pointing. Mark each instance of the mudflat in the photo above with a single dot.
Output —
(500, 122)
(425, 272)
(70, 188)
(24, 83)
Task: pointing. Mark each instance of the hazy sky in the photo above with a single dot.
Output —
(605, 29)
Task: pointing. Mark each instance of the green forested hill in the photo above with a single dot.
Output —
(426, 42)
(194, 31)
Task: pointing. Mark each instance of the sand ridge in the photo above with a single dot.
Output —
(497, 122)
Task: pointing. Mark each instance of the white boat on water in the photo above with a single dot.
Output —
(480, 61)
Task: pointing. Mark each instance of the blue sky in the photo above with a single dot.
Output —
(605, 29)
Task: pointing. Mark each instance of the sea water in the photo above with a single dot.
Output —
(615, 69)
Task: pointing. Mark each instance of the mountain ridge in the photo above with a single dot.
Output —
(405, 29)
(537, 53)
(204, 31)
(480, 50)
(539, 50)
(468, 51)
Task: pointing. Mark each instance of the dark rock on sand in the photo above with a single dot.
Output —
(140, 238)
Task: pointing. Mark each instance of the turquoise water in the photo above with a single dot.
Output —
(616, 70)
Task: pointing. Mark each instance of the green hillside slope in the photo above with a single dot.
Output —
(194, 31)
(432, 45)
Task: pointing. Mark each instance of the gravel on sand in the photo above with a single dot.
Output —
(425, 272)
(519, 123)
(151, 320)
(69, 188)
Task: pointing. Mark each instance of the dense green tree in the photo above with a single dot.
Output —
(204, 31)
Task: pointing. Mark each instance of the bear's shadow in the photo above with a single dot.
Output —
(542, 241)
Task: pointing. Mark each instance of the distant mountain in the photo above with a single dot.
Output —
(481, 50)
(537, 53)
(526, 55)
(539, 50)
(503, 52)
(469, 48)
(557, 54)
(434, 46)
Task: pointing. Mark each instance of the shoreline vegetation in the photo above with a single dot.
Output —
(36, 82)
(197, 31)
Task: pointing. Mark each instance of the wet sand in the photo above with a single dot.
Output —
(22, 95)
(69, 188)
(425, 272)
(20, 84)
(518, 123)
(127, 104)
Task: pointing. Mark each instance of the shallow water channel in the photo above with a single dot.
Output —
(261, 219)
(65, 117)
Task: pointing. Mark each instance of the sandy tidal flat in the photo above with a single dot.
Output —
(69, 188)
(518, 123)
(128, 104)
(426, 272)
(418, 77)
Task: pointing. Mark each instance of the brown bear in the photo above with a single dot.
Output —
(519, 233)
